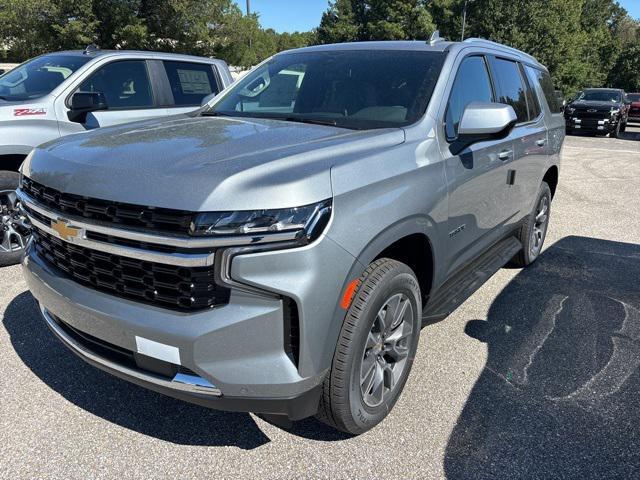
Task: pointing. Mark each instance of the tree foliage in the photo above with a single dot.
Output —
(582, 42)
(199, 27)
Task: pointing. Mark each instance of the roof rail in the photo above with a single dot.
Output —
(490, 43)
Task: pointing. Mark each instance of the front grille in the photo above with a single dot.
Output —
(166, 286)
(149, 218)
(600, 115)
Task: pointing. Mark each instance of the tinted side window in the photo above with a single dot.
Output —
(532, 97)
(472, 84)
(190, 82)
(125, 84)
(510, 89)
(543, 79)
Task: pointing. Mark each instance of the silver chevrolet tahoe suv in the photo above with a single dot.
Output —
(279, 250)
(68, 92)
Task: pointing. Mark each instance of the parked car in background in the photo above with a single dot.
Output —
(69, 92)
(598, 111)
(634, 108)
(278, 251)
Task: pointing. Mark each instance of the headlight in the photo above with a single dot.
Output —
(303, 222)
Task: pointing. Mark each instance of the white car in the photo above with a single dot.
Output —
(69, 92)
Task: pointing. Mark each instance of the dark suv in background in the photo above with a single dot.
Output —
(598, 110)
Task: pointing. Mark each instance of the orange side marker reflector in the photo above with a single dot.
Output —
(349, 293)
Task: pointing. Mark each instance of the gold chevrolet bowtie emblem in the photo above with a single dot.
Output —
(62, 228)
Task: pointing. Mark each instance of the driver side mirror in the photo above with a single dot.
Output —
(86, 102)
(482, 122)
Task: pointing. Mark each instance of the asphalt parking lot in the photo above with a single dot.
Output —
(537, 375)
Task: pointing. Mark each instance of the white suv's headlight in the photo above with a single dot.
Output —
(309, 221)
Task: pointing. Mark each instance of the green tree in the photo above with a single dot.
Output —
(338, 23)
(626, 71)
(353, 20)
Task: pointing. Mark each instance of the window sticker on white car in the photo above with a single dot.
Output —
(27, 112)
(158, 350)
(194, 82)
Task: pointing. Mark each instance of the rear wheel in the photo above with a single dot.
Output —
(13, 226)
(534, 229)
(375, 350)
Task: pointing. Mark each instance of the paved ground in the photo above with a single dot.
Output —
(536, 376)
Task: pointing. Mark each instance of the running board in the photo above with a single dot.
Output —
(463, 284)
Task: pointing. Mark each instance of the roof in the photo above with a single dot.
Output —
(420, 45)
(149, 54)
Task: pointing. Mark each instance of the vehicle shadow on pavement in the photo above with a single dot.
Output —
(559, 396)
(128, 405)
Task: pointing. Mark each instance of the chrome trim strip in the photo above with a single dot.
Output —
(167, 240)
(176, 259)
(182, 382)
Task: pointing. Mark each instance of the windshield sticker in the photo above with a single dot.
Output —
(26, 112)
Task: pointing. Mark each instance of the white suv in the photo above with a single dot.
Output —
(69, 92)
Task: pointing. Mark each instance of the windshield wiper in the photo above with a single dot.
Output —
(313, 121)
(213, 113)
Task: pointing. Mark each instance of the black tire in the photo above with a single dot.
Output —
(616, 131)
(531, 251)
(8, 181)
(343, 404)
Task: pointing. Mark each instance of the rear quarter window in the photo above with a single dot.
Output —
(543, 80)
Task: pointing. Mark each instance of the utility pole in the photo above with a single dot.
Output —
(248, 7)
(464, 18)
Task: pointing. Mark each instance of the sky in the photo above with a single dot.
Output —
(303, 15)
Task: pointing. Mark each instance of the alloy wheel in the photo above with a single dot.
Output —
(386, 350)
(14, 229)
(540, 225)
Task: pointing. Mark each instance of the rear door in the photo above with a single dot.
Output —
(527, 165)
(477, 177)
(187, 83)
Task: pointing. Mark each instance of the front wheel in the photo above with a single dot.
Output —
(375, 350)
(13, 226)
(616, 131)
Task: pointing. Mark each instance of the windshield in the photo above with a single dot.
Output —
(634, 97)
(355, 89)
(39, 76)
(600, 96)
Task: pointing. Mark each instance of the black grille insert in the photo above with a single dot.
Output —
(166, 286)
(150, 218)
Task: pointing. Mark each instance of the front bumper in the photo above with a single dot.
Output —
(598, 125)
(235, 352)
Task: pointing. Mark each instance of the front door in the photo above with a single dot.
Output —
(476, 178)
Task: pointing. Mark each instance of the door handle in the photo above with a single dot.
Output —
(541, 143)
(505, 154)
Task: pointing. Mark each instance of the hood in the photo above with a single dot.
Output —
(203, 163)
(584, 105)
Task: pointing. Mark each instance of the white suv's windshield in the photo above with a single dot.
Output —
(600, 96)
(358, 89)
(39, 76)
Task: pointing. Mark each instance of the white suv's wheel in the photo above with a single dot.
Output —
(13, 227)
